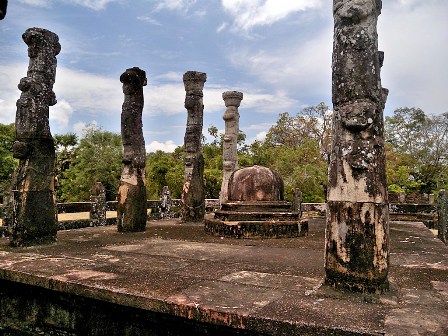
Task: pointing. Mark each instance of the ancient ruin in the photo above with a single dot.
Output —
(357, 237)
(32, 211)
(131, 207)
(231, 118)
(193, 197)
(442, 209)
(256, 208)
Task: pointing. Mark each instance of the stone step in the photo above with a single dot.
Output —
(267, 206)
(256, 215)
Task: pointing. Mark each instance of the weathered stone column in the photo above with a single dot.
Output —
(193, 195)
(33, 206)
(98, 209)
(357, 235)
(442, 209)
(131, 207)
(297, 201)
(231, 117)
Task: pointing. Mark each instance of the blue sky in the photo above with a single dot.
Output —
(277, 52)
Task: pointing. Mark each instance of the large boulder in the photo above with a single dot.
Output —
(255, 183)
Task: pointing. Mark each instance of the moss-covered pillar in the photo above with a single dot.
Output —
(232, 100)
(357, 229)
(131, 205)
(193, 195)
(33, 204)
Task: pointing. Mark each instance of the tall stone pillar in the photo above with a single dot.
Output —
(193, 195)
(33, 204)
(98, 201)
(131, 205)
(357, 234)
(231, 117)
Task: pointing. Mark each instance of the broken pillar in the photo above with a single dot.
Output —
(442, 214)
(357, 234)
(98, 209)
(33, 204)
(131, 205)
(232, 100)
(193, 195)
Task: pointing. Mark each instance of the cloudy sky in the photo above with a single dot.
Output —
(277, 52)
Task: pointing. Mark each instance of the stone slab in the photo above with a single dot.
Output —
(250, 286)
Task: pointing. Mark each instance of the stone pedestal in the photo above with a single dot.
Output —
(357, 235)
(256, 208)
(231, 118)
(131, 205)
(193, 195)
(32, 213)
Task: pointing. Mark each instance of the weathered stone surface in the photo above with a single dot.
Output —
(131, 207)
(3, 8)
(231, 118)
(357, 240)
(442, 208)
(98, 209)
(193, 196)
(33, 206)
(255, 183)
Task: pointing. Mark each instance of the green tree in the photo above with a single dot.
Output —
(164, 169)
(96, 158)
(65, 145)
(424, 139)
(7, 162)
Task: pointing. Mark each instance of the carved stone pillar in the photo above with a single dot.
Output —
(442, 222)
(357, 235)
(98, 200)
(131, 205)
(33, 204)
(231, 117)
(193, 196)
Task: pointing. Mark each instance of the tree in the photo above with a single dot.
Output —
(97, 158)
(7, 162)
(313, 122)
(424, 139)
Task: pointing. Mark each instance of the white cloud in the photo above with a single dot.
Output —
(167, 146)
(36, 3)
(250, 13)
(178, 5)
(61, 113)
(221, 27)
(92, 4)
(9, 93)
(81, 127)
(412, 37)
(149, 20)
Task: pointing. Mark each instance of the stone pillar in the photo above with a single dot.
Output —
(3, 7)
(98, 200)
(165, 203)
(231, 117)
(297, 201)
(131, 207)
(33, 205)
(442, 209)
(357, 234)
(193, 195)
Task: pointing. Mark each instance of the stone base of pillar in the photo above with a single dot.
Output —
(357, 246)
(131, 208)
(33, 219)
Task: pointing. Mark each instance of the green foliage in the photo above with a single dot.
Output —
(164, 169)
(418, 145)
(7, 162)
(96, 158)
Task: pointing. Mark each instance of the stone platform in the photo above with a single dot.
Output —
(174, 279)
